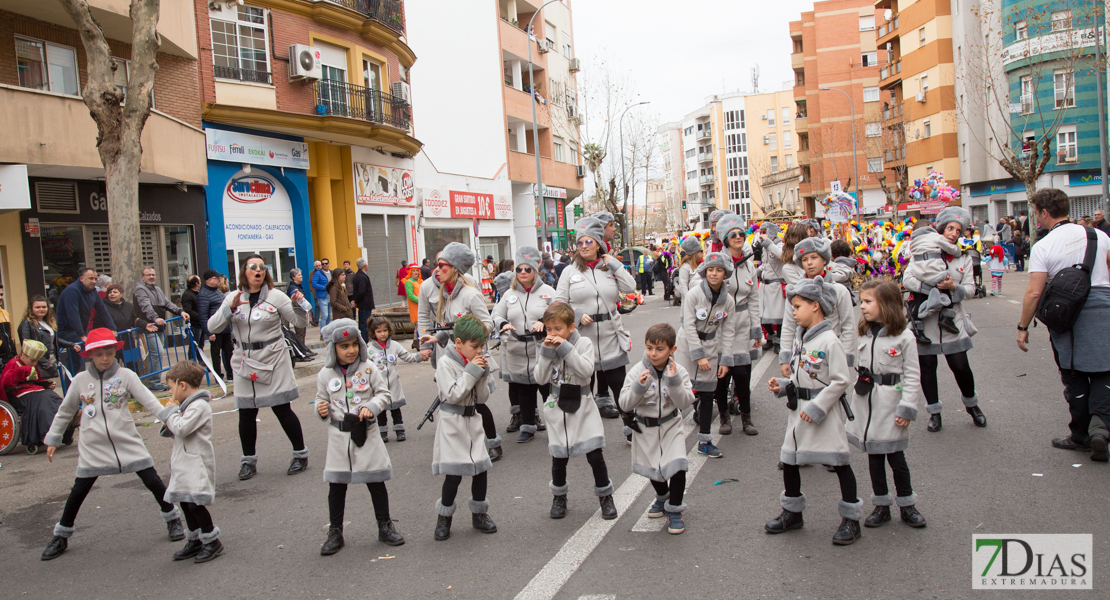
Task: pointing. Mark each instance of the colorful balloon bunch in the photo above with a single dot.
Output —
(933, 187)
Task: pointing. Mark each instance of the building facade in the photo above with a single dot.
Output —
(773, 154)
(715, 159)
(670, 135)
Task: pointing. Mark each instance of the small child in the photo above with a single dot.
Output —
(33, 396)
(109, 444)
(996, 263)
(657, 390)
(188, 416)
(574, 427)
(885, 399)
(385, 352)
(462, 378)
(930, 266)
(819, 376)
(350, 393)
(843, 266)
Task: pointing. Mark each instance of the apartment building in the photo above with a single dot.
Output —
(53, 209)
(772, 159)
(715, 159)
(836, 91)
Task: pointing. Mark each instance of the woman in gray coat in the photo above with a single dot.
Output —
(263, 374)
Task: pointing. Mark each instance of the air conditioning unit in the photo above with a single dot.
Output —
(575, 65)
(921, 96)
(767, 139)
(764, 117)
(545, 46)
(304, 63)
(402, 91)
(581, 171)
(572, 111)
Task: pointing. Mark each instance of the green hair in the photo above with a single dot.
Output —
(469, 328)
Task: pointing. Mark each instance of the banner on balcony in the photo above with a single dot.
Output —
(254, 149)
(391, 186)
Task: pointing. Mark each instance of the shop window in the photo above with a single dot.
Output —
(63, 253)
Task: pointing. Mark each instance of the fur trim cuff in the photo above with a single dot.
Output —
(398, 427)
(192, 534)
(249, 460)
(884, 500)
(906, 412)
(851, 510)
(63, 531)
(904, 501)
(668, 507)
(662, 497)
(933, 409)
(526, 428)
(815, 412)
(558, 490)
(383, 428)
(784, 357)
(603, 401)
(705, 437)
(601, 492)
(626, 431)
(478, 508)
(972, 401)
(444, 511)
(52, 439)
(493, 442)
(300, 453)
(791, 503)
(211, 536)
(514, 409)
(173, 514)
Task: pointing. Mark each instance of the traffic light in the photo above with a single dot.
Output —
(683, 204)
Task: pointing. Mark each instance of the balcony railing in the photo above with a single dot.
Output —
(1069, 156)
(342, 99)
(238, 74)
(705, 157)
(1026, 104)
(706, 180)
(388, 12)
(892, 112)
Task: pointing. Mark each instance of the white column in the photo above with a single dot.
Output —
(518, 77)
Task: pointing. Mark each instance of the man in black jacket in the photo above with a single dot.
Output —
(76, 305)
(364, 297)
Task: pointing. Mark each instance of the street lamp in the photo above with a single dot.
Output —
(855, 158)
(624, 176)
(535, 130)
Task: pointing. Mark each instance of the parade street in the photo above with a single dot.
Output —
(1005, 478)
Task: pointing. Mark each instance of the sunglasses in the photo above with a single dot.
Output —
(256, 267)
(524, 270)
(736, 234)
(442, 265)
(585, 242)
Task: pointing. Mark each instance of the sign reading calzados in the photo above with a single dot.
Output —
(375, 184)
(256, 150)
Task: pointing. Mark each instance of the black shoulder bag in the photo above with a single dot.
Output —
(1065, 295)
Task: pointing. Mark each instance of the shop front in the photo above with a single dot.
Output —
(386, 208)
(555, 200)
(482, 221)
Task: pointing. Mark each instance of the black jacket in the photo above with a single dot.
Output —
(189, 305)
(364, 291)
(123, 314)
(47, 364)
(208, 302)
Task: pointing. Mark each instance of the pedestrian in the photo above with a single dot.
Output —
(563, 262)
(715, 243)
(348, 285)
(547, 273)
(32, 394)
(384, 353)
(152, 304)
(843, 267)
(1023, 224)
(123, 313)
(998, 264)
(1100, 223)
(39, 324)
(364, 296)
(885, 399)
(188, 416)
(316, 267)
(109, 443)
(772, 285)
(350, 393)
(190, 306)
(412, 297)
(209, 300)
(954, 345)
(747, 334)
(565, 361)
(296, 284)
(931, 254)
(518, 317)
(659, 447)
(813, 256)
(815, 425)
(643, 273)
(1005, 237)
(593, 288)
(791, 272)
(1021, 250)
(1080, 352)
(75, 306)
(688, 266)
(337, 296)
(425, 269)
(661, 269)
(254, 314)
(462, 376)
(319, 283)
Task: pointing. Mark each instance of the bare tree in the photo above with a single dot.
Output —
(120, 116)
(890, 145)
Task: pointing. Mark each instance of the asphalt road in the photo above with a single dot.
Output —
(1002, 479)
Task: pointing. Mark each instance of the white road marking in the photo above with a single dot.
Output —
(1012, 301)
(598, 597)
(551, 578)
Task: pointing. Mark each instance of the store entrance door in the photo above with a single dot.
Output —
(278, 262)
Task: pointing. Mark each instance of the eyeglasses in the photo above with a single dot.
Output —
(585, 242)
(256, 267)
(442, 265)
(736, 234)
(524, 270)
(325, 263)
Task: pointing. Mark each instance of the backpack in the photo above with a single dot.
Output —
(1065, 295)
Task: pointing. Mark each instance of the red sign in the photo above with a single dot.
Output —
(922, 206)
(468, 205)
(412, 232)
(562, 214)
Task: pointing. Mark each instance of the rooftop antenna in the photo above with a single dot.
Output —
(755, 78)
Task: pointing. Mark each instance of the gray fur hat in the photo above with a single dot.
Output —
(772, 229)
(503, 281)
(816, 290)
(716, 259)
(729, 222)
(820, 245)
(690, 245)
(717, 214)
(952, 213)
(590, 227)
(604, 216)
(812, 223)
(337, 331)
(528, 255)
(459, 256)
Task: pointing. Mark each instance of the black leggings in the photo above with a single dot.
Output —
(524, 396)
(792, 481)
(397, 418)
(197, 517)
(741, 377)
(83, 485)
(248, 427)
(597, 463)
(609, 381)
(960, 368)
(876, 463)
(676, 489)
(222, 345)
(487, 420)
(337, 502)
(705, 405)
(478, 485)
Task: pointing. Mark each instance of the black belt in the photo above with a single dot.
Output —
(653, 422)
(703, 336)
(530, 336)
(455, 409)
(341, 426)
(808, 393)
(773, 280)
(928, 256)
(740, 308)
(601, 317)
(886, 379)
(255, 345)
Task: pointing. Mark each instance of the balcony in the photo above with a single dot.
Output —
(892, 113)
(222, 72)
(886, 31)
(387, 12)
(705, 157)
(797, 61)
(1067, 157)
(1026, 104)
(891, 74)
(705, 134)
(802, 156)
(788, 174)
(707, 180)
(342, 99)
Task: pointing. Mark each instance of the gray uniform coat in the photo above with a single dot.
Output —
(843, 322)
(874, 430)
(598, 292)
(945, 342)
(193, 461)
(463, 300)
(460, 444)
(361, 386)
(687, 277)
(385, 359)
(772, 294)
(744, 290)
(658, 452)
(570, 363)
(263, 377)
(702, 318)
(520, 309)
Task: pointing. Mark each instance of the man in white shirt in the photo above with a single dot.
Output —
(1080, 353)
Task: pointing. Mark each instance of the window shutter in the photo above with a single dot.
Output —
(57, 197)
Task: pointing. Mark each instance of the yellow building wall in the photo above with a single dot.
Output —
(331, 198)
(11, 268)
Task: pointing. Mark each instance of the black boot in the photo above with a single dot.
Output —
(385, 437)
(848, 532)
(609, 412)
(880, 515)
(977, 415)
(934, 423)
(333, 543)
(175, 530)
(400, 435)
(559, 507)
(911, 517)
(55, 548)
(298, 465)
(246, 471)
(1099, 450)
(785, 522)
(514, 423)
(209, 551)
(608, 508)
(483, 523)
(388, 534)
(443, 528)
(192, 547)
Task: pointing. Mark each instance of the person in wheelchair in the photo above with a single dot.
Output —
(32, 395)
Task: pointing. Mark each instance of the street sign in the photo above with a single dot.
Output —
(835, 185)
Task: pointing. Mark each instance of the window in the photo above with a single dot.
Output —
(1021, 30)
(733, 166)
(786, 115)
(568, 49)
(774, 141)
(734, 190)
(1061, 20)
(692, 174)
(873, 129)
(558, 154)
(921, 35)
(870, 59)
(574, 156)
(239, 48)
(549, 33)
(1026, 94)
(875, 165)
(734, 143)
(691, 152)
(371, 74)
(789, 161)
(867, 23)
(1027, 140)
(45, 66)
(1067, 151)
(787, 139)
(688, 131)
(734, 119)
(743, 166)
(928, 128)
(870, 94)
(774, 164)
(744, 193)
(924, 83)
(556, 92)
(771, 118)
(1064, 86)
(963, 152)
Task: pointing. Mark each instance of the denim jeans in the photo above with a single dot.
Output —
(325, 310)
(155, 351)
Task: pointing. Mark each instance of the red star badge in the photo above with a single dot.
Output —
(346, 333)
(254, 376)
